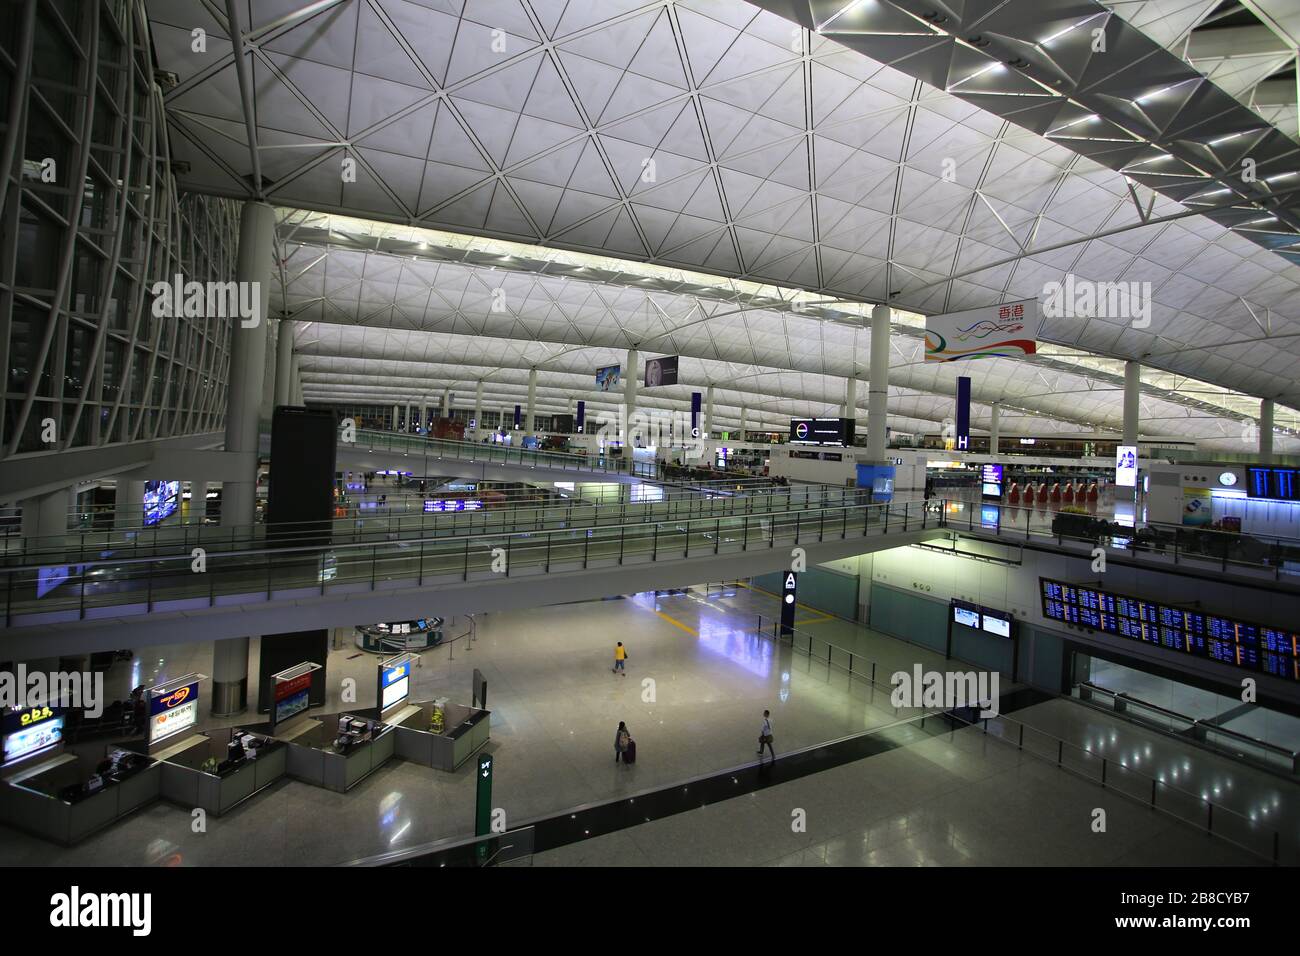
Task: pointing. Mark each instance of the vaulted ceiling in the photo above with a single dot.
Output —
(732, 147)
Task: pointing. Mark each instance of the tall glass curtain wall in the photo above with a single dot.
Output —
(91, 220)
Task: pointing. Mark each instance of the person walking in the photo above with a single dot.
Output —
(620, 659)
(765, 737)
(622, 740)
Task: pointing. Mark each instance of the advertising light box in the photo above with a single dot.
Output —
(1126, 466)
(394, 684)
(661, 371)
(172, 710)
(30, 732)
(292, 696)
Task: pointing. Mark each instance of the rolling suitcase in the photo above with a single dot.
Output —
(629, 755)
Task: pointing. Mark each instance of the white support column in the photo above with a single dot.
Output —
(994, 427)
(45, 522)
(247, 369)
(198, 501)
(744, 421)
(1266, 431)
(629, 395)
(708, 412)
(1132, 389)
(396, 419)
(444, 409)
(128, 503)
(878, 386)
(530, 417)
(478, 409)
(851, 398)
(284, 363)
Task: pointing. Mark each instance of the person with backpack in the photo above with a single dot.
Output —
(765, 737)
(620, 658)
(624, 748)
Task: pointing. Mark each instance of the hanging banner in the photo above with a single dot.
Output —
(607, 378)
(661, 371)
(963, 414)
(582, 417)
(695, 414)
(519, 414)
(1009, 330)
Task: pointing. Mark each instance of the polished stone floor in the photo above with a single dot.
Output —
(556, 702)
(956, 800)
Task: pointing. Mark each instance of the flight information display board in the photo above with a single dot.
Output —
(1279, 484)
(1243, 644)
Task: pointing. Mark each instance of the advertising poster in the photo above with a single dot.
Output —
(1198, 508)
(607, 378)
(1009, 330)
(161, 499)
(31, 731)
(661, 371)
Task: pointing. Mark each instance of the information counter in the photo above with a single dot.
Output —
(397, 636)
(463, 731)
(218, 773)
(68, 797)
(338, 751)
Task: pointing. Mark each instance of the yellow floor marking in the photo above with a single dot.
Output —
(676, 623)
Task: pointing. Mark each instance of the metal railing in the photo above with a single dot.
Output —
(491, 453)
(377, 526)
(1277, 558)
(511, 848)
(1244, 831)
(184, 581)
(1221, 739)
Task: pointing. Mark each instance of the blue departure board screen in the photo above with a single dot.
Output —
(1244, 644)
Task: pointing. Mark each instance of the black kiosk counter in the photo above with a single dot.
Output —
(337, 751)
(216, 772)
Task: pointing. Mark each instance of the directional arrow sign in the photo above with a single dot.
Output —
(483, 797)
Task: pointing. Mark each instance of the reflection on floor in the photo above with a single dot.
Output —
(960, 799)
(1260, 723)
(555, 704)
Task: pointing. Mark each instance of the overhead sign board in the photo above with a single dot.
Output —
(173, 708)
(1008, 330)
(821, 431)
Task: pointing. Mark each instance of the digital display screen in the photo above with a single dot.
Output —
(821, 431)
(966, 616)
(452, 504)
(1240, 643)
(1278, 484)
(997, 624)
(161, 499)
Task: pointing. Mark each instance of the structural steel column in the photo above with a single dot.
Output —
(1132, 387)
(247, 369)
(878, 386)
(128, 503)
(994, 426)
(851, 397)
(198, 501)
(284, 363)
(708, 412)
(1266, 431)
(530, 418)
(478, 408)
(629, 394)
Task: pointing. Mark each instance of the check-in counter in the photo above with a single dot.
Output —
(321, 753)
(51, 798)
(201, 772)
(465, 730)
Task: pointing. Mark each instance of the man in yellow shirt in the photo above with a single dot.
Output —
(620, 658)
